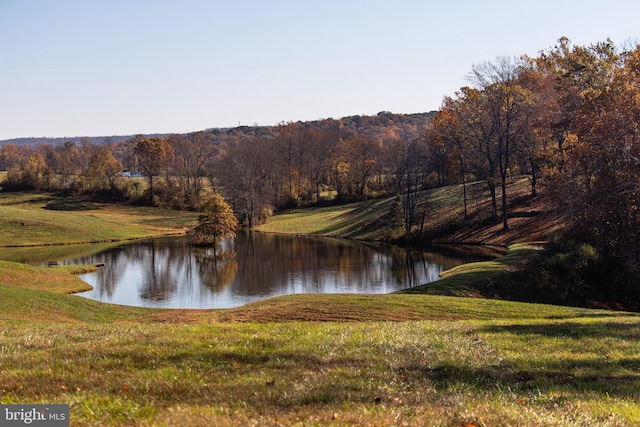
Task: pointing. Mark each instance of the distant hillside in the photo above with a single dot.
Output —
(404, 126)
(97, 140)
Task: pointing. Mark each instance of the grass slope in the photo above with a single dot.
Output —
(354, 220)
(311, 360)
(368, 220)
(53, 279)
(30, 219)
(459, 361)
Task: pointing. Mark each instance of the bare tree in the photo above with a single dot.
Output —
(192, 155)
(245, 174)
(154, 154)
(504, 105)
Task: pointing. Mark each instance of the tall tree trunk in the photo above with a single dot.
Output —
(151, 190)
(464, 188)
(534, 176)
(494, 201)
(503, 185)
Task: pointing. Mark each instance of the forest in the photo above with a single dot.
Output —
(568, 119)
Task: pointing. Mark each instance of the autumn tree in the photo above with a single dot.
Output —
(600, 178)
(125, 152)
(36, 173)
(215, 223)
(541, 118)
(352, 164)
(391, 157)
(477, 133)
(86, 150)
(288, 145)
(103, 170)
(11, 156)
(575, 69)
(446, 131)
(154, 154)
(66, 163)
(316, 143)
(413, 175)
(506, 105)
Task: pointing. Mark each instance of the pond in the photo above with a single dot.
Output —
(169, 273)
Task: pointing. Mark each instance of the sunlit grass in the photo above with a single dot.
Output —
(320, 360)
(556, 366)
(306, 221)
(369, 220)
(53, 279)
(37, 219)
(309, 360)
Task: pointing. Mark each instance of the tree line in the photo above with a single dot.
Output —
(568, 119)
(260, 169)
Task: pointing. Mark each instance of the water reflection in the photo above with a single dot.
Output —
(168, 272)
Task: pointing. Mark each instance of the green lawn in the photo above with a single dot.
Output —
(355, 220)
(369, 220)
(29, 219)
(301, 360)
(54, 279)
(459, 361)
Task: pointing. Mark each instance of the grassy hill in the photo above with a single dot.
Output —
(529, 219)
(307, 360)
(31, 219)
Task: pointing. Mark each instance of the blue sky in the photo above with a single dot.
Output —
(114, 67)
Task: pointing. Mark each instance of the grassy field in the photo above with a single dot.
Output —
(30, 219)
(54, 279)
(303, 360)
(355, 220)
(368, 220)
(322, 360)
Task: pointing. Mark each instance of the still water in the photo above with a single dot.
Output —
(168, 272)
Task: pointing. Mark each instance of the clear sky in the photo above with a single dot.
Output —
(116, 67)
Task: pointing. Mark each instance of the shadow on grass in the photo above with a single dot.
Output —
(71, 204)
(595, 372)
(364, 218)
(578, 375)
(574, 330)
(7, 200)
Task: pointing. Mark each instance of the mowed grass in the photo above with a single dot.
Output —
(30, 219)
(369, 220)
(458, 362)
(311, 360)
(55, 279)
(348, 220)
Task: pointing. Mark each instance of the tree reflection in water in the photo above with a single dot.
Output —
(168, 272)
(217, 269)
